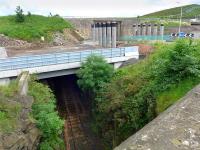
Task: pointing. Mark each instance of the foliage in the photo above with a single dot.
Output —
(47, 118)
(138, 91)
(94, 73)
(19, 15)
(33, 27)
(29, 13)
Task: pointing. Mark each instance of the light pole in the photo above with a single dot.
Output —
(180, 22)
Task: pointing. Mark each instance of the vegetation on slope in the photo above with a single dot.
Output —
(9, 110)
(189, 11)
(47, 118)
(137, 93)
(33, 27)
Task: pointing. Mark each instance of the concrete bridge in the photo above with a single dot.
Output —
(59, 64)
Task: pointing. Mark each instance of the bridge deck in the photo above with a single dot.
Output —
(31, 61)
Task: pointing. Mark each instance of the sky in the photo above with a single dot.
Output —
(91, 8)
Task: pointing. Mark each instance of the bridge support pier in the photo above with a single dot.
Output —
(117, 65)
(138, 30)
(114, 34)
(149, 29)
(134, 30)
(143, 29)
(96, 31)
(93, 32)
(162, 28)
(109, 35)
(4, 81)
(100, 35)
(155, 30)
(104, 34)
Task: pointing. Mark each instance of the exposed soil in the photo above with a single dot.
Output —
(69, 40)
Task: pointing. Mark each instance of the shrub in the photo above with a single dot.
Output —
(94, 73)
(47, 118)
(138, 92)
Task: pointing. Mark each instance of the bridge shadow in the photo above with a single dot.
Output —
(75, 108)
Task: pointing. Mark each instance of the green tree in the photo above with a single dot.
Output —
(29, 13)
(19, 14)
(94, 73)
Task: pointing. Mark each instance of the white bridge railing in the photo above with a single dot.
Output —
(31, 61)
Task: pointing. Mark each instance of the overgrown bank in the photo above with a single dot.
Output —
(138, 93)
(26, 121)
(46, 116)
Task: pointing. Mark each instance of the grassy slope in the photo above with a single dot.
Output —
(189, 11)
(33, 28)
(171, 95)
(175, 93)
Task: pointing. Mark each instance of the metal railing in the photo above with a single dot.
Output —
(146, 38)
(32, 61)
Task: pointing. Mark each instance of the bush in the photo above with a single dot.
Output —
(138, 92)
(94, 73)
(47, 118)
(19, 15)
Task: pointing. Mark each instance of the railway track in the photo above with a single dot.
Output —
(76, 137)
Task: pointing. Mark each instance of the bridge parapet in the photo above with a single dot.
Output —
(175, 129)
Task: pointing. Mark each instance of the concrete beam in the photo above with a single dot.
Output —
(100, 34)
(23, 84)
(96, 32)
(104, 37)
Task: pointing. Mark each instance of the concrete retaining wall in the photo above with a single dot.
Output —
(23, 84)
(178, 128)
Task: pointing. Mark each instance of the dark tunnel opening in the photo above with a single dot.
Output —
(74, 107)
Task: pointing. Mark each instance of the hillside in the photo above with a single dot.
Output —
(138, 93)
(33, 27)
(189, 11)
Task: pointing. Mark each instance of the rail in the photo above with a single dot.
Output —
(31, 61)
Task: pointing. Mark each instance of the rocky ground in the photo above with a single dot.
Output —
(26, 136)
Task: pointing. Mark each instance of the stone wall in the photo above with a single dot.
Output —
(178, 128)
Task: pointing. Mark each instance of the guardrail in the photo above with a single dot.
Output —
(32, 61)
(146, 37)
